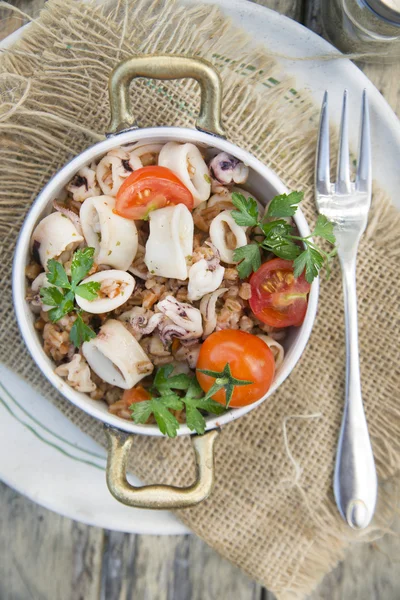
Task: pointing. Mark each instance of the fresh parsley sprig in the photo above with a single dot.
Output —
(159, 407)
(61, 294)
(278, 236)
(165, 397)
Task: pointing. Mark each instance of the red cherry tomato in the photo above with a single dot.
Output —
(277, 298)
(249, 358)
(149, 188)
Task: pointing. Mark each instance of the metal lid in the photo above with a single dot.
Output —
(388, 9)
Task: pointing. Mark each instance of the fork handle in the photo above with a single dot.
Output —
(355, 480)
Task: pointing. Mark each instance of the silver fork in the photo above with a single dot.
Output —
(347, 203)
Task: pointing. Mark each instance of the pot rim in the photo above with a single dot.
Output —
(47, 195)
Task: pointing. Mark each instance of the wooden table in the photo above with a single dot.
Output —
(48, 557)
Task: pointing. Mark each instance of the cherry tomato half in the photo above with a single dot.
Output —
(277, 298)
(249, 358)
(149, 188)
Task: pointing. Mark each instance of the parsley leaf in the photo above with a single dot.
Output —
(63, 302)
(88, 290)
(324, 228)
(57, 275)
(284, 205)
(163, 381)
(277, 240)
(194, 419)
(246, 214)
(63, 308)
(250, 259)
(194, 390)
(194, 402)
(51, 296)
(166, 421)
(141, 411)
(283, 248)
(276, 229)
(80, 332)
(81, 264)
(278, 236)
(162, 375)
(311, 260)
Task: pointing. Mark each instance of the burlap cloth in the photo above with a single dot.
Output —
(272, 510)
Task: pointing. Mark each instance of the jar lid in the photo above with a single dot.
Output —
(388, 9)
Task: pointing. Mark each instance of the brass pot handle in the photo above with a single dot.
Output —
(158, 496)
(166, 67)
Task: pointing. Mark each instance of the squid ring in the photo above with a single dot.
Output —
(276, 349)
(114, 238)
(116, 357)
(218, 235)
(116, 288)
(54, 235)
(186, 161)
(170, 241)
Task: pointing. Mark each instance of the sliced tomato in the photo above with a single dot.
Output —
(249, 358)
(135, 394)
(277, 298)
(150, 188)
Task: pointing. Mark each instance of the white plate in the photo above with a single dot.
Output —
(47, 458)
(40, 449)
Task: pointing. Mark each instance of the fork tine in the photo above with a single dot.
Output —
(322, 172)
(343, 166)
(364, 169)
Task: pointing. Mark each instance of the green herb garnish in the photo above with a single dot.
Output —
(61, 294)
(80, 332)
(175, 392)
(284, 205)
(278, 236)
(164, 382)
(158, 406)
(250, 259)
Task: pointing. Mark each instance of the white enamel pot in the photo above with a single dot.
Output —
(262, 182)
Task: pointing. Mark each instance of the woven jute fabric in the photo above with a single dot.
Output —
(272, 510)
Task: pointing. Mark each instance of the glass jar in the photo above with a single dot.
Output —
(370, 27)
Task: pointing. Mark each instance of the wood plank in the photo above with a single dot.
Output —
(369, 571)
(312, 16)
(164, 568)
(44, 555)
(290, 8)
